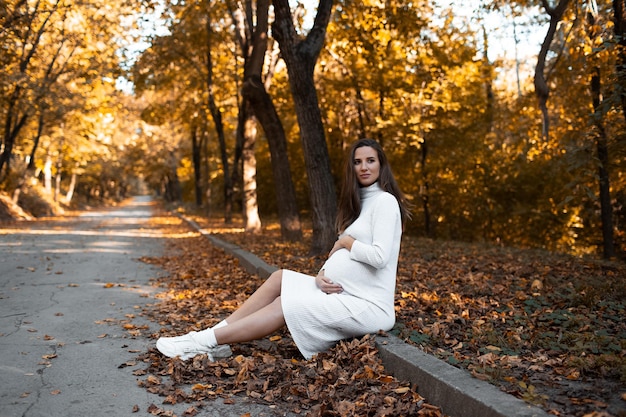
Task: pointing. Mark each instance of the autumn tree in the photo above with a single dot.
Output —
(300, 56)
(251, 24)
(59, 73)
(24, 30)
(178, 69)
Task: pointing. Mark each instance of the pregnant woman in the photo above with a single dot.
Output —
(353, 293)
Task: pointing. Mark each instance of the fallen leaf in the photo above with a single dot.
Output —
(126, 364)
(154, 410)
(201, 387)
(191, 411)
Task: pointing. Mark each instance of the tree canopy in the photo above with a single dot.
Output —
(493, 141)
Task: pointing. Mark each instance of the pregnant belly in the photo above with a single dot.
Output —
(343, 270)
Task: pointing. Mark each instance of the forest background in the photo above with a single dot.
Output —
(237, 107)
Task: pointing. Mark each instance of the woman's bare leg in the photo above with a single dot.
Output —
(256, 325)
(262, 297)
(259, 316)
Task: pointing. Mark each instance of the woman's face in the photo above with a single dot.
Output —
(366, 165)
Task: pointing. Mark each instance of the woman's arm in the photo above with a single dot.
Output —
(386, 226)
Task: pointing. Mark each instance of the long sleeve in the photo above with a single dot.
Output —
(384, 219)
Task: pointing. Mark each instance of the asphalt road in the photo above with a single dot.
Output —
(66, 287)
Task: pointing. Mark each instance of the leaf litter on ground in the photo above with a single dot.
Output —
(544, 327)
(202, 286)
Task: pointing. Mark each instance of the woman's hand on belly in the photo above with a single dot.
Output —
(326, 284)
(344, 242)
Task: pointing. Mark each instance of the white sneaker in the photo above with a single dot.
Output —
(187, 347)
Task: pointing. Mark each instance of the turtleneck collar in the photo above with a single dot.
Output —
(370, 191)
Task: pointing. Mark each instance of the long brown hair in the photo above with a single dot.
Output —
(350, 197)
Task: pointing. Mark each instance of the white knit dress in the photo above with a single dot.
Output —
(367, 273)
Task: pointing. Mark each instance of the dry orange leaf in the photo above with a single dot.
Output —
(201, 387)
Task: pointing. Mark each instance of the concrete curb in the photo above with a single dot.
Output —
(453, 389)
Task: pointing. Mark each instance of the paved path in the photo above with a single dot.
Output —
(66, 286)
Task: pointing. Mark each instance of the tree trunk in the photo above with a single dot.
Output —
(196, 150)
(216, 114)
(57, 183)
(264, 110)
(619, 11)
(47, 175)
(425, 190)
(70, 190)
(30, 168)
(12, 127)
(541, 86)
(606, 209)
(300, 56)
(251, 206)
(253, 42)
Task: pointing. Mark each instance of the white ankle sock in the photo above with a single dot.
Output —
(206, 338)
(220, 324)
